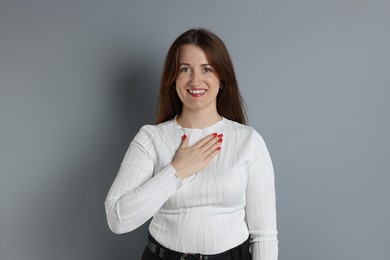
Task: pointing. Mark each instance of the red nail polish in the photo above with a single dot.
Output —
(220, 135)
(184, 137)
(214, 134)
(220, 141)
(219, 148)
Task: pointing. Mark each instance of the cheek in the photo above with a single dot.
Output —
(180, 82)
(213, 83)
(180, 91)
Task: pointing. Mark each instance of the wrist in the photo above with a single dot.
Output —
(178, 171)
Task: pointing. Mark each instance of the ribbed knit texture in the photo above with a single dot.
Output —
(209, 212)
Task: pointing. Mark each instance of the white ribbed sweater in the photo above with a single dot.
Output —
(209, 212)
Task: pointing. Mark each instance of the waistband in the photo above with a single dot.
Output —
(238, 252)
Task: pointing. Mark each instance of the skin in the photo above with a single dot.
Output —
(195, 73)
(197, 86)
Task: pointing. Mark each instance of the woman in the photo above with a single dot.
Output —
(203, 175)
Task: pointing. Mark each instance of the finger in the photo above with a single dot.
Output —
(213, 147)
(205, 140)
(213, 154)
(212, 144)
(184, 141)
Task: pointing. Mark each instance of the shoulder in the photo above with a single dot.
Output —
(148, 133)
(244, 131)
(148, 137)
(247, 140)
(251, 143)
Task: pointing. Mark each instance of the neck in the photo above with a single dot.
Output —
(197, 119)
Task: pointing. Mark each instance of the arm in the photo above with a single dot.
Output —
(260, 207)
(136, 195)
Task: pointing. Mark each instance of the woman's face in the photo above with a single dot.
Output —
(197, 84)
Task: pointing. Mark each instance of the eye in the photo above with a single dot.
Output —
(207, 69)
(185, 69)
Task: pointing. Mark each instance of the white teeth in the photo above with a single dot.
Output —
(197, 91)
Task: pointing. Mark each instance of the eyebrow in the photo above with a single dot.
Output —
(187, 64)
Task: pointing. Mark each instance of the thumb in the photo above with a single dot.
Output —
(184, 141)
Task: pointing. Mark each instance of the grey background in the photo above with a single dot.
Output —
(78, 79)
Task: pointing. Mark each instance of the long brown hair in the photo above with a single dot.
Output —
(229, 101)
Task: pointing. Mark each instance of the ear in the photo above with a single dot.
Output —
(221, 84)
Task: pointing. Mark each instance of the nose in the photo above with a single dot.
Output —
(196, 78)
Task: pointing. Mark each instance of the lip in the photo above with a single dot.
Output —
(196, 92)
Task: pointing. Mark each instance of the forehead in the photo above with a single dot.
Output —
(192, 53)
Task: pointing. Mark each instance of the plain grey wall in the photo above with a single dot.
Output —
(78, 79)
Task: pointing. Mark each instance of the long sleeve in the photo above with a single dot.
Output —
(260, 207)
(137, 192)
(235, 190)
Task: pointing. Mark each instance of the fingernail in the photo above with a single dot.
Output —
(219, 148)
(220, 135)
(184, 137)
(215, 134)
(220, 141)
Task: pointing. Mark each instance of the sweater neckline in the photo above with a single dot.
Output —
(199, 129)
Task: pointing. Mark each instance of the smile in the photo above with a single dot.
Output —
(196, 92)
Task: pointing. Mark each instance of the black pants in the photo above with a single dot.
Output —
(241, 254)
